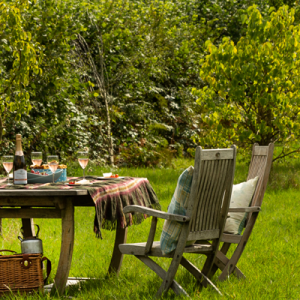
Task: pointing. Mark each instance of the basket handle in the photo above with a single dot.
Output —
(48, 268)
(6, 250)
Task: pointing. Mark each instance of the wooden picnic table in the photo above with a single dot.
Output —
(56, 203)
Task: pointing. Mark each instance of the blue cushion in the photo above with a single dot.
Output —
(171, 229)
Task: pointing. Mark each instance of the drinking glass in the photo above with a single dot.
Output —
(37, 158)
(8, 161)
(83, 159)
(52, 161)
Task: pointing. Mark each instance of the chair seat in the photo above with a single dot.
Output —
(139, 249)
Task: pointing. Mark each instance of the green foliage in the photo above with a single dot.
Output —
(151, 51)
(149, 155)
(279, 3)
(20, 57)
(55, 123)
(252, 92)
(224, 18)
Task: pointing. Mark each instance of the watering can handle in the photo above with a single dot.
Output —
(38, 230)
(37, 234)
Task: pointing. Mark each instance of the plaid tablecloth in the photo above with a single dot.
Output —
(110, 197)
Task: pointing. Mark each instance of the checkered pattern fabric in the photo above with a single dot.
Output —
(171, 229)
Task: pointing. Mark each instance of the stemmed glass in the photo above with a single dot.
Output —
(52, 161)
(37, 158)
(8, 161)
(83, 159)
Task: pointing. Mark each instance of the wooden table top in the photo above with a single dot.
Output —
(37, 192)
(43, 198)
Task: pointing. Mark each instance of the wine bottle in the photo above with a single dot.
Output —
(20, 171)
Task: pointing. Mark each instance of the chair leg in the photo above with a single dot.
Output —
(221, 261)
(208, 265)
(175, 286)
(175, 262)
(224, 249)
(231, 264)
(197, 273)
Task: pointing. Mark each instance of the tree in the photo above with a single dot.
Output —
(222, 18)
(253, 87)
(151, 51)
(20, 56)
(55, 123)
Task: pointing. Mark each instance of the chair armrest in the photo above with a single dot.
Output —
(244, 209)
(155, 213)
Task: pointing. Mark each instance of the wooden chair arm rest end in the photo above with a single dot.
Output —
(244, 209)
(155, 213)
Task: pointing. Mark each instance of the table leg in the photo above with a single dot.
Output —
(117, 256)
(28, 227)
(66, 251)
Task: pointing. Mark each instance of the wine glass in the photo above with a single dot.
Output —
(37, 158)
(83, 159)
(8, 161)
(52, 161)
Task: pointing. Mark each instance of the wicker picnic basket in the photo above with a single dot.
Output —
(22, 272)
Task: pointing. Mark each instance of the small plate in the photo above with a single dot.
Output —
(80, 182)
(108, 178)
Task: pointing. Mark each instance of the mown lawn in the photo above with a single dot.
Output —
(271, 260)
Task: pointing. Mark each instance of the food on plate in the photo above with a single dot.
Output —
(38, 173)
(46, 166)
(107, 174)
(39, 167)
(61, 167)
(80, 182)
(110, 175)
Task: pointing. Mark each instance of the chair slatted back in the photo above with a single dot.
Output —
(260, 165)
(210, 193)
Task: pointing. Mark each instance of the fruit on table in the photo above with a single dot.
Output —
(38, 173)
(114, 176)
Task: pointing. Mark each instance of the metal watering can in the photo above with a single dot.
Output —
(31, 244)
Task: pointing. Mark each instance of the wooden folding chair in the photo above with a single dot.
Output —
(205, 219)
(260, 165)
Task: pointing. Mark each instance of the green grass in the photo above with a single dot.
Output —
(271, 260)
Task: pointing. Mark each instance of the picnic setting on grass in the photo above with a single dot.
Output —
(205, 210)
(149, 149)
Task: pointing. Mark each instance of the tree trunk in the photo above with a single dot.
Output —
(1, 129)
(100, 78)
